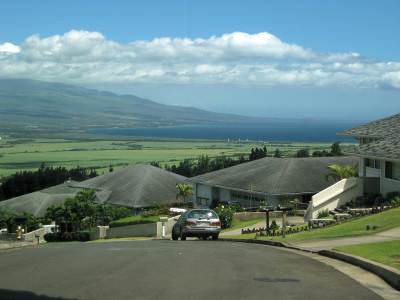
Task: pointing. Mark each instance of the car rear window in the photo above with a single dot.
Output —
(202, 214)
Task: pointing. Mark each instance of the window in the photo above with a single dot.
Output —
(367, 162)
(392, 170)
(377, 164)
(396, 171)
(372, 163)
(202, 214)
(388, 169)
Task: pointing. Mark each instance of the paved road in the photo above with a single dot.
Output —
(388, 235)
(169, 270)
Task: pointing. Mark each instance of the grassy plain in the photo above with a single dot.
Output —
(26, 154)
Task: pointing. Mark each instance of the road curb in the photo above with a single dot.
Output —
(269, 243)
(388, 274)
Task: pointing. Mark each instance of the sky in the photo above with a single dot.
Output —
(306, 59)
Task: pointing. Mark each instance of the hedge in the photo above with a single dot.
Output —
(81, 236)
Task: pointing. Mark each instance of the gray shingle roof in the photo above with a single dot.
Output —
(135, 186)
(37, 203)
(387, 133)
(280, 176)
(387, 148)
(380, 129)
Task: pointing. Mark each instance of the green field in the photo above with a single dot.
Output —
(387, 253)
(26, 154)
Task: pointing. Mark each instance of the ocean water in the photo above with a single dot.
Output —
(292, 131)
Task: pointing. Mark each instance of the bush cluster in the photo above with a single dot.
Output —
(391, 199)
(323, 214)
(81, 236)
(225, 213)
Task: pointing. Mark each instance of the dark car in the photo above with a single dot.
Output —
(201, 223)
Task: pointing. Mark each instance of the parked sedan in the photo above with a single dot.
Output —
(201, 223)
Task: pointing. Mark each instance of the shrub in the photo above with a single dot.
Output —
(81, 236)
(225, 214)
(323, 214)
(273, 227)
(395, 201)
(393, 195)
(51, 237)
(236, 207)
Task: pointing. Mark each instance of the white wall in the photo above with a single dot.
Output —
(168, 226)
(334, 196)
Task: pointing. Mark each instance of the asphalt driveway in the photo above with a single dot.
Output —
(169, 270)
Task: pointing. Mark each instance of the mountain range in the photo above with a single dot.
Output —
(30, 106)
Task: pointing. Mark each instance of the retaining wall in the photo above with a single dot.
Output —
(138, 230)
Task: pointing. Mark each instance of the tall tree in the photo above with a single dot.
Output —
(184, 191)
(277, 153)
(336, 150)
(339, 172)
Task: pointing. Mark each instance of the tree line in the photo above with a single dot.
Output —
(335, 151)
(25, 182)
(205, 164)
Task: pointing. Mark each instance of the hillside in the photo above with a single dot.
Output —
(28, 106)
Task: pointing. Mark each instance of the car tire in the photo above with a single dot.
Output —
(174, 235)
(183, 236)
(215, 237)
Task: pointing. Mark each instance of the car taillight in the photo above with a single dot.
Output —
(216, 223)
(190, 222)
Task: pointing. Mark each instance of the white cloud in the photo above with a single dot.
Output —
(238, 58)
(9, 48)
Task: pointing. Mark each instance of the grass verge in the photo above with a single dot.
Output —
(133, 220)
(384, 221)
(387, 253)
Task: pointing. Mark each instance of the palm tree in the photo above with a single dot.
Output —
(339, 172)
(183, 191)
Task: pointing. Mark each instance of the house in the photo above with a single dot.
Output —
(136, 186)
(269, 180)
(379, 154)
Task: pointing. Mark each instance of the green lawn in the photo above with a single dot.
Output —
(385, 220)
(237, 224)
(139, 219)
(27, 154)
(387, 253)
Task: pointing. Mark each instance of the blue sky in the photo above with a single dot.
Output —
(323, 59)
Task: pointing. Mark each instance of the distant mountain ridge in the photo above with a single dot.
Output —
(38, 106)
